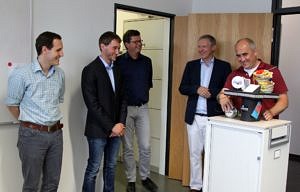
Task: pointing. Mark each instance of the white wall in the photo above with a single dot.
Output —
(231, 6)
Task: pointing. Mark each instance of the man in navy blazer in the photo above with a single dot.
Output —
(202, 80)
(104, 96)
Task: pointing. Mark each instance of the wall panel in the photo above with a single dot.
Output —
(177, 125)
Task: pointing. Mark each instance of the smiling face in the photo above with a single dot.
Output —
(206, 49)
(134, 46)
(110, 52)
(53, 55)
(246, 55)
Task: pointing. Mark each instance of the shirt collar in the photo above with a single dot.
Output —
(259, 66)
(37, 67)
(106, 65)
(211, 61)
(127, 56)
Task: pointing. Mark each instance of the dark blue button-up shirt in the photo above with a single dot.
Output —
(137, 74)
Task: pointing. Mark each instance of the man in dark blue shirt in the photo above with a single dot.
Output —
(137, 73)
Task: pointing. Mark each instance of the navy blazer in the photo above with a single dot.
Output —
(105, 107)
(191, 81)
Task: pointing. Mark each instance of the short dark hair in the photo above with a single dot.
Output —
(210, 38)
(45, 39)
(130, 33)
(107, 37)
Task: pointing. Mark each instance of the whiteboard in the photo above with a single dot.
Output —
(15, 44)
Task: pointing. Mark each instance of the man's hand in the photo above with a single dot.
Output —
(14, 110)
(281, 104)
(118, 130)
(268, 115)
(204, 92)
(225, 102)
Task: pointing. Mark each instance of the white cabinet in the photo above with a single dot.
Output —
(245, 156)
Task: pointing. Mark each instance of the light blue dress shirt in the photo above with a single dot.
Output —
(206, 70)
(37, 95)
(109, 69)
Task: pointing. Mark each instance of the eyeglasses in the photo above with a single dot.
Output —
(136, 42)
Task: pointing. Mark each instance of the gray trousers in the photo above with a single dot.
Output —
(41, 156)
(137, 122)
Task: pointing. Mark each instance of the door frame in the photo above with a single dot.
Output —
(278, 11)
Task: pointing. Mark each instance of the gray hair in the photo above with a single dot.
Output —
(210, 38)
(251, 43)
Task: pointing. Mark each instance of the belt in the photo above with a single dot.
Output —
(46, 128)
(201, 114)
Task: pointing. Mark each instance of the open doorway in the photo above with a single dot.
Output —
(155, 29)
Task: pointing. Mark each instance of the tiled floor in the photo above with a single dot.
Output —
(170, 185)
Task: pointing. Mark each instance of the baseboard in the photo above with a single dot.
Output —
(294, 157)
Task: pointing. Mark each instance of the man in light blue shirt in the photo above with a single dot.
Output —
(201, 82)
(34, 94)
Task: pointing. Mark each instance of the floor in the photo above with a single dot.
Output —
(164, 184)
(293, 180)
(170, 185)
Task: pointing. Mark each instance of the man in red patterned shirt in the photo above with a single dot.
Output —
(247, 56)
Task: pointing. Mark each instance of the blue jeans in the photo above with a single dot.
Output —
(41, 155)
(98, 146)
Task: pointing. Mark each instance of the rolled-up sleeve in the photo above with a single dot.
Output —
(15, 89)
